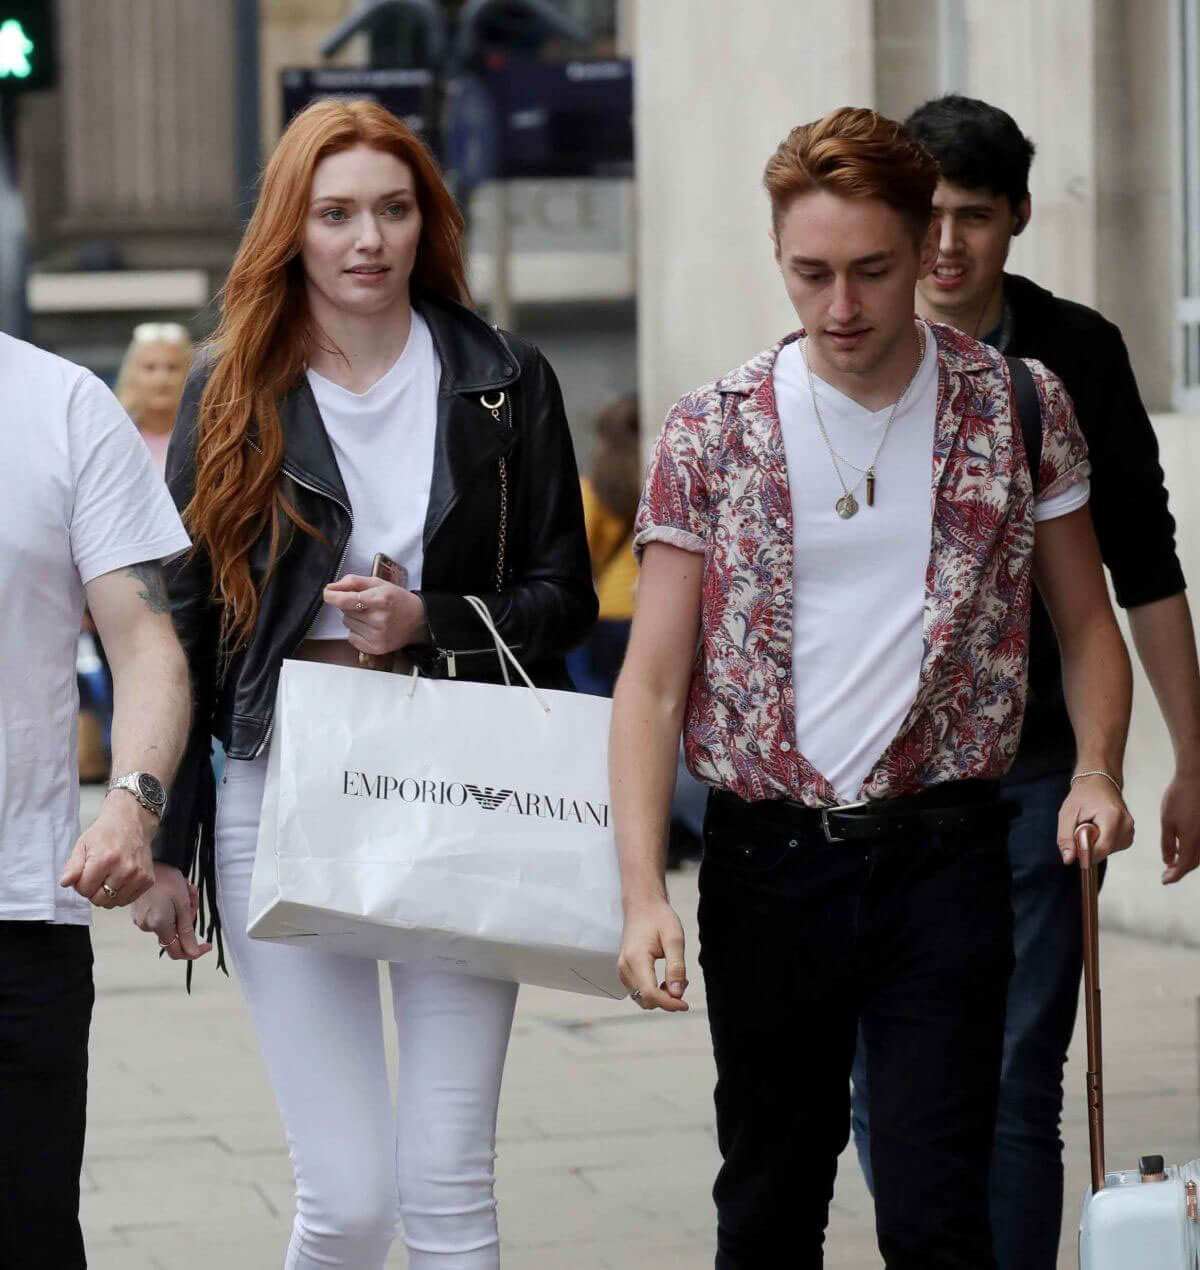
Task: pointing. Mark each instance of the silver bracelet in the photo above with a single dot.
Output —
(1080, 775)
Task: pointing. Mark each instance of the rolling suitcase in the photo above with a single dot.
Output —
(1136, 1219)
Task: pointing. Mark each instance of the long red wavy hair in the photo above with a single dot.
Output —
(266, 330)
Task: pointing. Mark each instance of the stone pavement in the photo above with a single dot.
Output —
(606, 1147)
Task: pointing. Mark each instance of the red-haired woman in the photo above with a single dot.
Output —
(351, 404)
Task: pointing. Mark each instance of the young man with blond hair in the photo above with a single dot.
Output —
(839, 543)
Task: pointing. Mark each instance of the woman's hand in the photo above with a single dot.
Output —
(380, 616)
(168, 909)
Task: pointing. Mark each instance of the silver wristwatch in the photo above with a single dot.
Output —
(145, 788)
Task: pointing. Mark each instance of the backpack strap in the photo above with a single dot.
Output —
(1029, 411)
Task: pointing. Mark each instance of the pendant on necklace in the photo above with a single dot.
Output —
(846, 506)
(871, 488)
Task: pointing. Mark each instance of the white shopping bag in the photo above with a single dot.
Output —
(453, 824)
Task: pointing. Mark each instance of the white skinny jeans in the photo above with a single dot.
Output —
(319, 1024)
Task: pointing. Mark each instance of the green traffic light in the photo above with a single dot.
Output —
(15, 48)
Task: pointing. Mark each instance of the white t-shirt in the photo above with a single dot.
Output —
(859, 584)
(79, 497)
(383, 440)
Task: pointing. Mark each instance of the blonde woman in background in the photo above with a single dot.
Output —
(150, 381)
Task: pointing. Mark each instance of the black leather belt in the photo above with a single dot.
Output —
(954, 807)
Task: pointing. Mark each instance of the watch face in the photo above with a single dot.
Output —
(150, 788)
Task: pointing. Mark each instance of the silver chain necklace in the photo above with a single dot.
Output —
(847, 505)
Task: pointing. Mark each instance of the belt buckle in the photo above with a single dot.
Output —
(825, 829)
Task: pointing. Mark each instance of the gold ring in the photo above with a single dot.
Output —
(169, 941)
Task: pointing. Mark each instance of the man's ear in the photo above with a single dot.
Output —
(1021, 214)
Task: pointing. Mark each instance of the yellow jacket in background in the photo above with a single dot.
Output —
(610, 544)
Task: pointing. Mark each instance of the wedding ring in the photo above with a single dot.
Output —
(169, 941)
(636, 994)
(104, 886)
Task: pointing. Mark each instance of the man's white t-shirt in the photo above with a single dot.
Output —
(79, 497)
(859, 584)
(383, 440)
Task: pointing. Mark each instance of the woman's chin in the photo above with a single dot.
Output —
(359, 304)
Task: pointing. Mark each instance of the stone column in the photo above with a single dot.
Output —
(717, 88)
(147, 88)
(907, 54)
(1134, 897)
(1138, 173)
(626, 18)
(1036, 61)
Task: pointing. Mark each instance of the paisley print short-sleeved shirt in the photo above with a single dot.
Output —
(718, 485)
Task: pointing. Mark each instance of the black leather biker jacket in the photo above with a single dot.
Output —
(498, 398)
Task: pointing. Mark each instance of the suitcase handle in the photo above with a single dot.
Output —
(1085, 840)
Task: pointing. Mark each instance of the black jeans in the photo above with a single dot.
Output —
(1027, 1167)
(46, 997)
(800, 941)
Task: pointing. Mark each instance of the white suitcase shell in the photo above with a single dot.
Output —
(1130, 1220)
(1136, 1225)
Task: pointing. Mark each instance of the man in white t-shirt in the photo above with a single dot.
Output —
(839, 543)
(84, 518)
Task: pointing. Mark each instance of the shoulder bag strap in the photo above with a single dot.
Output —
(1029, 411)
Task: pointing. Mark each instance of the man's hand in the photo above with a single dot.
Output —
(111, 863)
(652, 933)
(380, 616)
(168, 909)
(1097, 800)
(1181, 824)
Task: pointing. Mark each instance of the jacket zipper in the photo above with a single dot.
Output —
(317, 607)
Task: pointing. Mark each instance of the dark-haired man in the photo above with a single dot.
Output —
(980, 204)
(839, 542)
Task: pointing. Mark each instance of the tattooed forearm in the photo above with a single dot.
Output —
(154, 584)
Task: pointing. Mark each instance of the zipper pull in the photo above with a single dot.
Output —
(493, 407)
(451, 667)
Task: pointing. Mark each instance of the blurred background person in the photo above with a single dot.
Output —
(150, 382)
(611, 489)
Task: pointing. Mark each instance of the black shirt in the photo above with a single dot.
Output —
(1128, 497)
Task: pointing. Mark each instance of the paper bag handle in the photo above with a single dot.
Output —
(503, 652)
